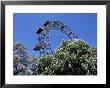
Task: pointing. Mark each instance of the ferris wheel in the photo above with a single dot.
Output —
(43, 31)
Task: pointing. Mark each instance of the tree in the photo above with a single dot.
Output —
(73, 57)
(21, 59)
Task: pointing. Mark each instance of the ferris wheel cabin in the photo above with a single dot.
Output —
(38, 46)
(41, 29)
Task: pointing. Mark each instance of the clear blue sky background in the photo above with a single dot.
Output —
(83, 24)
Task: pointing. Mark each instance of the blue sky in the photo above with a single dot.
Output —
(25, 24)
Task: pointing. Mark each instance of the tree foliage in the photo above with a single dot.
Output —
(21, 59)
(72, 57)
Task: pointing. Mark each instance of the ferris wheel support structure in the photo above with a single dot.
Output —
(44, 45)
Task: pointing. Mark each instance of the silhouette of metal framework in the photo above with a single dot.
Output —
(44, 45)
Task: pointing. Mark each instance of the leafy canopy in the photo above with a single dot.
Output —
(72, 57)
